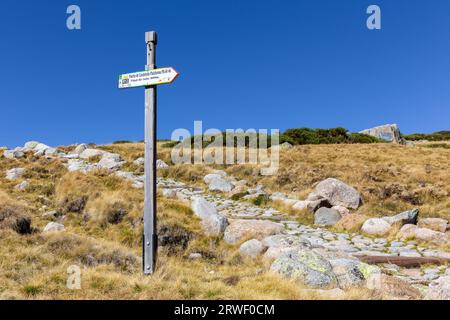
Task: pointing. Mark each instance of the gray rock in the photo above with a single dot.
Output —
(347, 272)
(240, 230)
(326, 217)
(54, 227)
(306, 266)
(439, 289)
(111, 161)
(13, 154)
(15, 173)
(337, 193)
(90, 153)
(161, 164)
(220, 184)
(285, 241)
(252, 248)
(213, 223)
(22, 186)
(407, 217)
(195, 256)
(376, 227)
(80, 165)
(79, 149)
(139, 161)
(436, 224)
(387, 132)
(30, 145)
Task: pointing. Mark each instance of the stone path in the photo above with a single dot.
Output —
(353, 244)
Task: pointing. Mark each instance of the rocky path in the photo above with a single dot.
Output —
(337, 245)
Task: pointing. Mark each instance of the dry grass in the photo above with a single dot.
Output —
(104, 224)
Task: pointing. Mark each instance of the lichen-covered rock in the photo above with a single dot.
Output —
(306, 266)
(337, 193)
(376, 227)
(347, 273)
(240, 230)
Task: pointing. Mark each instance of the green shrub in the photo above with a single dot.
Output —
(325, 136)
(436, 136)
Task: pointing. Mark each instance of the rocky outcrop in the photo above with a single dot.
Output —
(387, 132)
(436, 224)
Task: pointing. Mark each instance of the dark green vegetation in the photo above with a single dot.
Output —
(297, 136)
(436, 136)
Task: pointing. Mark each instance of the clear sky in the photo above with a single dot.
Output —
(243, 64)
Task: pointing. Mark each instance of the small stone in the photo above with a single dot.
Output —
(54, 227)
(195, 256)
(15, 173)
(161, 164)
(22, 186)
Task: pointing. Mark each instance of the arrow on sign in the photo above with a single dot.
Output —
(147, 78)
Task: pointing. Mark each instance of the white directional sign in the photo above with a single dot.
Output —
(147, 78)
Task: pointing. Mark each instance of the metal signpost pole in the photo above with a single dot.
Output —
(150, 236)
(150, 78)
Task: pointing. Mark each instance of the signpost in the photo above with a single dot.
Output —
(149, 79)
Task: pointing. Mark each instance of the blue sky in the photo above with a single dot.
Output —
(243, 64)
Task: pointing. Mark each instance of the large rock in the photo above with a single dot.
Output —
(306, 266)
(252, 248)
(216, 182)
(439, 289)
(240, 230)
(213, 223)
(15, 173)
(376, 227)
(436, 224)
(410, 231)
(326, 217)
(407, 217)
(337, 193)
(387, 132)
